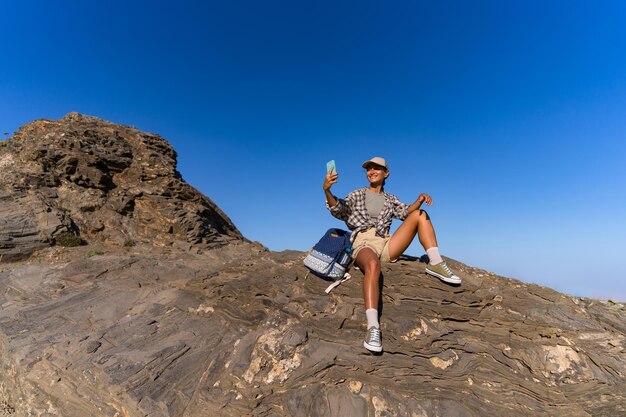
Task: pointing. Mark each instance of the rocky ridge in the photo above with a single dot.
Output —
(100, 181)
(161, 330)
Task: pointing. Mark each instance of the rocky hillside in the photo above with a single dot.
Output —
(83, 176)
(164, 329)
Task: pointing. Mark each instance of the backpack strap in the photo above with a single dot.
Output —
(337, 283)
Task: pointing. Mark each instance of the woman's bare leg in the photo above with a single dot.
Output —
(417, 222)
(368, 262)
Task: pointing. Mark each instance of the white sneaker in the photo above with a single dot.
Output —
(442, 272)
(372, 340)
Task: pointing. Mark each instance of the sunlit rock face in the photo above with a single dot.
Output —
(100, 181)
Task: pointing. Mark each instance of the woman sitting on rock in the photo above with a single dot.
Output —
(368, 212)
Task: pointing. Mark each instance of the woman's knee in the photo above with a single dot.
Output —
(373, 265)
(419, 215)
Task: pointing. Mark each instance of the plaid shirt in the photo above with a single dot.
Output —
(352, 210)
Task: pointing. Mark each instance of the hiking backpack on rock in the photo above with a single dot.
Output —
(330, 257)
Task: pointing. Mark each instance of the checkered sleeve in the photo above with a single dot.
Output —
(400, 210)
(343, 208)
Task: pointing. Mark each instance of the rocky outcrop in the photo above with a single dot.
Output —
(155, 329)
(243, 331)
(103, 182)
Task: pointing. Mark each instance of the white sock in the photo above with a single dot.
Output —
(372, 317)
(433, 255)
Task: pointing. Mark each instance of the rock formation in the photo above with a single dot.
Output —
(100, 181)
(159, 330)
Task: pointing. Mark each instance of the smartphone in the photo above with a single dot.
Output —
(330, 167)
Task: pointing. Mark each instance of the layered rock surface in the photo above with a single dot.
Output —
(243, 331)
(164, 329)
(102, 181)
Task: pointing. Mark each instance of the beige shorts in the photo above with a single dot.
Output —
(368, 239)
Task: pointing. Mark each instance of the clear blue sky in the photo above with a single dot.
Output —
(512, 115)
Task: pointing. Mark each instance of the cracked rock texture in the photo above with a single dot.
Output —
(172, 329)
(101, 181)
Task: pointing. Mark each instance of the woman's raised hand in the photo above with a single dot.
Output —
(330, 180)
(424, 198)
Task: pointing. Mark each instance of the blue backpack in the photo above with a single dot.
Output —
(330, 257)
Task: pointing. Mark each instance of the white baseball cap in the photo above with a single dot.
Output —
(376, 160)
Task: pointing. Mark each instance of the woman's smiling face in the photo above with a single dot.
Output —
(376, 173)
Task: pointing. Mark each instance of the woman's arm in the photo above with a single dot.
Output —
(423, 198)
(339, 208)
(328, 182)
